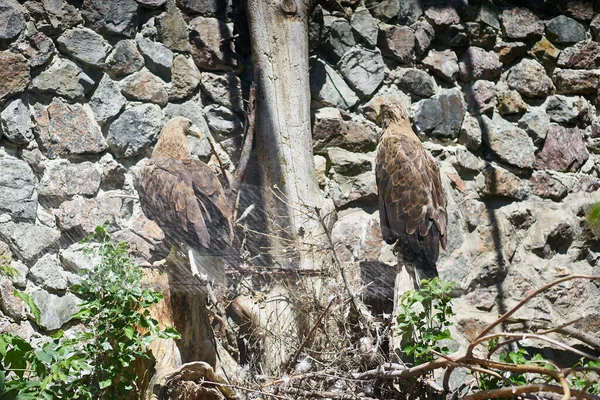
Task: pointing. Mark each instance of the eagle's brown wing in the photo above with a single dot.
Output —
(412, 206)
(186, 200)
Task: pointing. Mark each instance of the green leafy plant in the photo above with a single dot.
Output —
(586, 377)
(98, 361)
(424, 318)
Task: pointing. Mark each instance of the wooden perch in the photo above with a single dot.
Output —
(240, 172)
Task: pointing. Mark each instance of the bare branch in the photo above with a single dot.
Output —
(509, 392)
(524, 301)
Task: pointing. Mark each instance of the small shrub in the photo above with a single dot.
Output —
(97, 363)
(424, 318)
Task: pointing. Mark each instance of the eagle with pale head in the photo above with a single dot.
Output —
(412, 206)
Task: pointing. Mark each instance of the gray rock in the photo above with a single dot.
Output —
(424, 35)
(457, 35)
(27, 241)
(529, 78)
(444, 64)
(470, 133)
(467, 161)
(115, 17)
(328, 87)
(135, 130)
(158, 58)
(206, 8)
(489, 14)
(210, 47)
(185, 78)
(75, 258)
(410, 11)
(81, 216)
(55, 310)
(14, 75)
(384, 9)
(15, 122)
(509, 143)
(417, 82)
(152, 4)
(442, 15)
(52, 17)
(564, 150)
(568, 81)
(441, 116)
(67, 129)
(113, 173)
(339, 40)
(171, 29)
(481, 96)
(17, 184)
(348, 163)
(125, 59)
(595, 27)
(565, 30)
(62, 180)
(47, 273)
(584, 55)
(222, 121)
(560, 110)
(480, 35)
(107, 100)
(84, 45)
(347, 189)
(364, 26)
(63, 78)
(12, 22)
(331, 130)
(397, 42)
(521, 23)
(38, 50)
(224, 89)
(145, 86)
(536, 123)
(477, 63)
(363, 70)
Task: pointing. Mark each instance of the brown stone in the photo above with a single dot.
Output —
(580, 56)
(350, 135)
(210, 46)
(545, 52)
(470, 327)
(65, 129)
(511, 103)
(397, 42)
(145, 86)
(481, 96)
(582, 10)
(14, 74)
(547, 187)
(477, 63)
(564, 150)
(568, 81)
(442, 15)
(185, 78)
(529, 78)
(503, 183)
(509, 51)
(521, 23)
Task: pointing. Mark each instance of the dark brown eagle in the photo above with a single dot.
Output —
(185, 198)
(412, 206)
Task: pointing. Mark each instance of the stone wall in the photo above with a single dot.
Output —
(504, 97)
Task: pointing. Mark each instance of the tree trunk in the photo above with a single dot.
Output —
(291, 196)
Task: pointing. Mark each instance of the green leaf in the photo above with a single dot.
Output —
(105, 383)
(129, 331)
(28, 300)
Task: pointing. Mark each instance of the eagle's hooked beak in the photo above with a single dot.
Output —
(195, 131)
